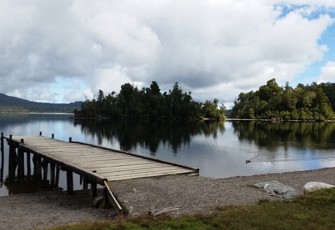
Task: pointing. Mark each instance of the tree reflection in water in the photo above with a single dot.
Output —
(149, 135)
(313, 135)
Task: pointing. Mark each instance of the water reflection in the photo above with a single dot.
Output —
(149, 135)
(302, 135)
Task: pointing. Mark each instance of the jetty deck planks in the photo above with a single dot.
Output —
(94, 164)
(103, 163)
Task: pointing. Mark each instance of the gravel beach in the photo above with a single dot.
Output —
(173, 195)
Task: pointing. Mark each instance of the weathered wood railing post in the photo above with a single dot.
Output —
(28, 164)
(69, 178)
(94, 191)
(2, 158)
(2, 146)
(37, 167)
(12, 159)
(45, 170)
(85, 183)
(52, 174)
(57, 175)
(20, 161)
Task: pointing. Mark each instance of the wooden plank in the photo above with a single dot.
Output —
(62, 152)
(135, 169)
(146, 173)
(113, 199)
(97, 161)
(78, 153)
(139, 156)
(89, 157)
(134, 176)
(127, 167)
(111, 164)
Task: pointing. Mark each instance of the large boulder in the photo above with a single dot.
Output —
(278, 189)
(313, 186)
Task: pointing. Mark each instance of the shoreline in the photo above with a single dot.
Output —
(182, 194)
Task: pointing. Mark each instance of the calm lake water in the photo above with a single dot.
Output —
(219, 150)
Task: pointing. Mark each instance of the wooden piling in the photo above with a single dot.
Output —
(37, 167)
(45, 170)
(28, 164)
(2, 158)
(12, 159)
(85, 183)
(57, 175)
(20, 163)
(2, 146)
(52, 174)
(94, 191)
(69, 178)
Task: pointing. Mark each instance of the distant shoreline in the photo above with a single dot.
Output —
(277, 121)
(37, 113)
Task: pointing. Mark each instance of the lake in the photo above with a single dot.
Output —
(219, 150)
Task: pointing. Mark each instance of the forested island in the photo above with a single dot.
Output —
(149, 103)
(270, 101)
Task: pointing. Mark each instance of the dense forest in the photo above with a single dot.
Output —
(305, 102)
(150, 103)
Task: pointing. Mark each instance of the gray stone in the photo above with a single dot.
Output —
(277, 189)
(313, 186)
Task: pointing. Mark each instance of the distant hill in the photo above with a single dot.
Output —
(14, 104)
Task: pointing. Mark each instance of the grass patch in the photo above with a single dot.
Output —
(312, 211)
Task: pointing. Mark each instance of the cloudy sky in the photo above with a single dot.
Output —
(66, 50)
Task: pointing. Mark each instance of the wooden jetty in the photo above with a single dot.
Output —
(94, 164)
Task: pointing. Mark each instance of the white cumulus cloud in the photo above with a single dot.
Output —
(213, 48)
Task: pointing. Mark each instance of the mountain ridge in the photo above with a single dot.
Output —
(15, 104)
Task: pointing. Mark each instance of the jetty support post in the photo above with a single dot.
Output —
(12, 159)
(2, 146)
(69, 178)
(45, 164)
(37, 167)
(28, 164)
(52, 174)
(85, 183)
(2, 158)
(94, 191)
(57, 175)
(20, 161)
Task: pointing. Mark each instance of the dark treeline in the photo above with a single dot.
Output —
(305, 102)
(150, 103)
